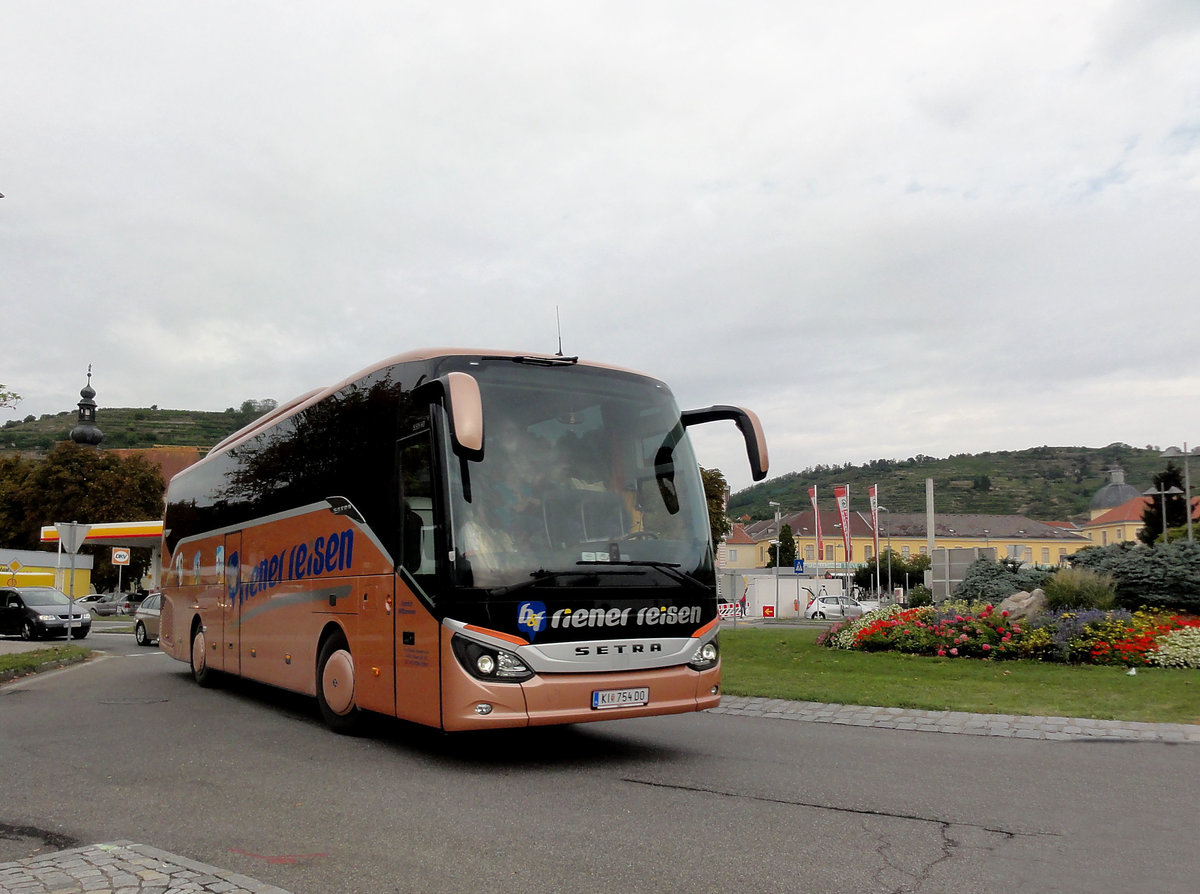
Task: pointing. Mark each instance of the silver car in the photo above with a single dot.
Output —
(110, 604)
(145, 620)
(835, 607)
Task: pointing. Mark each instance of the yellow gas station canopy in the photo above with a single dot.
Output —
(137, 533)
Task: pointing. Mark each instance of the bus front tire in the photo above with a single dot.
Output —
(335, 686)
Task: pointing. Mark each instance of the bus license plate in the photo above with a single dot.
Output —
(620, 698)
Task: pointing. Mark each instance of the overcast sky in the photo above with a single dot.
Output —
(889, 228)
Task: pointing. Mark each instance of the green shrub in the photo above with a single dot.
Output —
(1161, 577)
(988, 581)
(920, 595)
(1073, 588)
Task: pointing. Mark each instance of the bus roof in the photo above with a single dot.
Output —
(309, 398)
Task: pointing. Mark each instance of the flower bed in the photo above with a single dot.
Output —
(961, 630)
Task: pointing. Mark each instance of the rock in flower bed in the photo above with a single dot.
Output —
(964, 630)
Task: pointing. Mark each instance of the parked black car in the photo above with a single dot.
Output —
(36, 612)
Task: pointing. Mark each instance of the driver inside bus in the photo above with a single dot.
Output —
(484, 545)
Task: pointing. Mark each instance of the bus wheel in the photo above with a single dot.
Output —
(201, 672)
(335, 686)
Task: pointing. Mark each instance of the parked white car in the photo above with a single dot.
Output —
(838, 607)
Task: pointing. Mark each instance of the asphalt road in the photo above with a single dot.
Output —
(246, 778)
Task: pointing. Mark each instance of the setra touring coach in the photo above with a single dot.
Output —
(462, 539)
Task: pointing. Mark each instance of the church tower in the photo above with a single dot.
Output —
(86, 431)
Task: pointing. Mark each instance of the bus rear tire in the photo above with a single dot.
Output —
(335, 686)
(202, 673)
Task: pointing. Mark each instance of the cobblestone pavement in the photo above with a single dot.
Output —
(122, 867)
(1011, 725)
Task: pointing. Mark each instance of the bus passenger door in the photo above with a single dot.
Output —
(230, 633)
(417, 631)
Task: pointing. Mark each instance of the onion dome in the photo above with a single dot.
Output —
(1115, 493)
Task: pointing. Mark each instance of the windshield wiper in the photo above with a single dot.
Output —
(609, 566)
(536, 577)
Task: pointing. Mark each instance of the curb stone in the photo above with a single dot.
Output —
(125, 867)
(1059, 729)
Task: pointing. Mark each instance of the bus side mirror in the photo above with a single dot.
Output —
(747, 423)
(464, 409)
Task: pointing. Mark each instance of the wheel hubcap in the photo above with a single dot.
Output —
(198, 654)
(337, 682)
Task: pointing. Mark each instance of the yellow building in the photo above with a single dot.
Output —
(34, 568)
(1119, 524)
(740, 550)
(1012, 536)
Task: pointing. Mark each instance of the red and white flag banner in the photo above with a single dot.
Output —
(873, 490)
(812, 496)
(841, 493)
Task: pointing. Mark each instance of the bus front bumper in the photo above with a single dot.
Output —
(568, 698)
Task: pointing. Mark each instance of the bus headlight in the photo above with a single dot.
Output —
(706, 656)
(487, 663)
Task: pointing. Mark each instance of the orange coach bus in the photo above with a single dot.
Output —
(461, 539)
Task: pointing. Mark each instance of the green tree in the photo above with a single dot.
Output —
(81, 484)
(911, 569)
(252, 409)
(787, 556)
(716, 491)
(1152, 515)
(8, 399)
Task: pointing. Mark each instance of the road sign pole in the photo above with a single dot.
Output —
(70, 537)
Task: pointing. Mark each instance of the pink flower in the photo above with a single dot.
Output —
(986, 647)
(942, 653)
(954, 651)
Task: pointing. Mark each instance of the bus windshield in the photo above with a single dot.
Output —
(585, 472)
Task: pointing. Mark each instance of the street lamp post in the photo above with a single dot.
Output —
(1187, 484)
(889, 544)
(778, 550)
(1169, 492)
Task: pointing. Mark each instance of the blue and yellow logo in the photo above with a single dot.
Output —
(531, 618)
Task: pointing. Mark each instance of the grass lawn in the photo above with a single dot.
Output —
(20, 663)
(787, 663)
